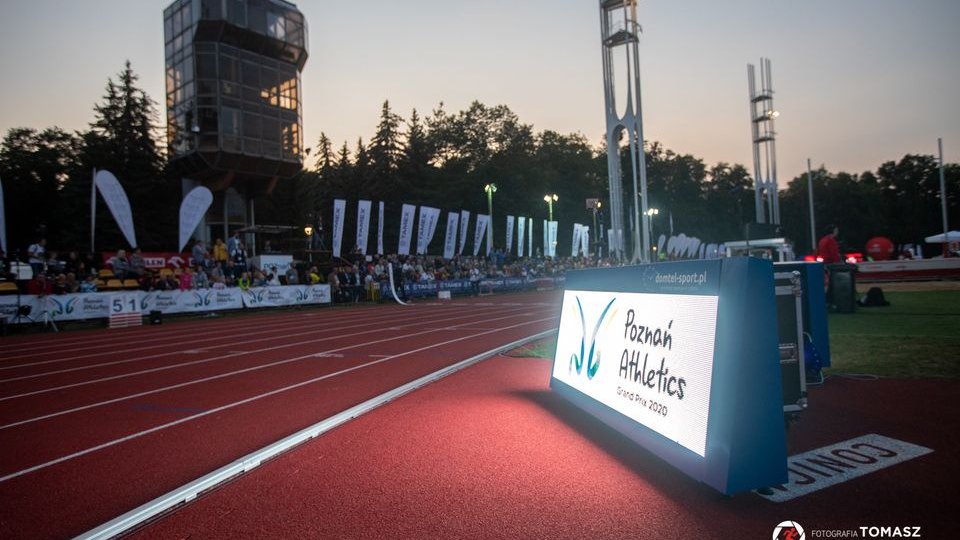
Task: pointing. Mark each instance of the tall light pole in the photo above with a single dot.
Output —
(308, 232)
(650, 213)
(550, 199)
(490, 189)
(596, 233)
(813, 226)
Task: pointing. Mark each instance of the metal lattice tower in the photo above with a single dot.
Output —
(762, 115)
(619, 28)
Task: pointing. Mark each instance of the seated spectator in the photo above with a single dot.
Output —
(137, 265)
(89, 284)
(71, 283)
(200, 279)
(259, 280)
(244, 281)
(272, 277)
(121, 266)
(54, 264)
(186, 279)
(219, 283)
(60, 284)
(72, 263)
(293, 277)
(40, 285)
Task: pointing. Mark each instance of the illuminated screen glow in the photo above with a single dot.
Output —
(646, 356)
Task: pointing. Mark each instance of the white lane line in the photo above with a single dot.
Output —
(189, 491)
(215, 377)
(253, 398)
(207, 360)
(308, 330)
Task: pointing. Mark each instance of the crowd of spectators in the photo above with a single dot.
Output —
(352, 278)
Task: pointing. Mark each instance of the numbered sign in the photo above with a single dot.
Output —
(125, 310)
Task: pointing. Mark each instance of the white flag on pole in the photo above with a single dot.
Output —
(553, 238)
(426, 228)
(116, 199)
(464, 223)
(546, 239)
(380, 231)
(406, 228)
(363, 224)
(339, 211)
(192, 209)
(530, 237)
(510, 220)
(585, 240)
(3, 222)
(450, 241)
(575, 244)
(480, 232)
(521, 224)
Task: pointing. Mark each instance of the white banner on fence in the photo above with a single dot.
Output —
(480, 233)
(426, 228)
(192, 209)
(530, 237)
(3, 222)
(464, 223)
(575, 245)
(363, 225)
(339, 210)
(521, 229)
(380, 231)
(585, 240)
(510, 220)
(450, 241)
(553, 225)
(406, 228)
(117, 202)
(8, 308)
(546, 239)
(168, 302)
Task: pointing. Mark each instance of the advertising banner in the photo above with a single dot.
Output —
(450, 240)
(575, 245)
(553, 225)
(339, 211)
(380, 231)
(426, 228)
(480, 232)
(509, 234)
(521, 229)
(585, 240)
(169, 302)
(464, 223)
(530, 237)
(155, 260)
(546, 239)
(406, 228)
(116, 199)
(192, 209)
(3, 222)
(363, 225)
(8, 308)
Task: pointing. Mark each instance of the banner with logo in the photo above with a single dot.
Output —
(585, 240)
(192, 209)
(450, 241)
(3, 222)
(480, 232)
(553, 225)
(546, 239)
(380, 231)
(116, 199)
(530, 237)
(510, 220)
(426, 228)
(169, 302)
(464, 223)
(8, 307)
(155, 260)
(575, 245)
(363, 225)
(521, 230)
(406, 228)
(339, 211)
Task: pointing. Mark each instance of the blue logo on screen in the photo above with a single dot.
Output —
(592, 360)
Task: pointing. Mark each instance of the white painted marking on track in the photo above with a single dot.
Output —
(257, 397)
(831, 465)
(328, 355)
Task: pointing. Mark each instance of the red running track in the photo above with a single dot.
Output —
(491, 452)
(93, 424)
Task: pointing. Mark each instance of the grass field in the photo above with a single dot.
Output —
(917, 335)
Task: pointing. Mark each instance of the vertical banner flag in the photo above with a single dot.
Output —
(575, 245)
(546, 239)
(464, 223)
(520, 235)
(192, 209)
(585, 240)
(530, 237)
(509, 234)
(117, 202)
(450, 241)
(553, 238)
(339, 210)
(406, 228)
(3, 223)
(480, 233)
(380, 231)
(426, 228)
(363, 225)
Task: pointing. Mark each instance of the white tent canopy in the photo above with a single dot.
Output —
(951, 236)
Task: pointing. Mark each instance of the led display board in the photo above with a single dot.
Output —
(683, 359)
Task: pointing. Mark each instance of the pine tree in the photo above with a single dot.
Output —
(385, 153)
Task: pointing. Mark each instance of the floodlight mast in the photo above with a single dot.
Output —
(619, 28)
(762, 115)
